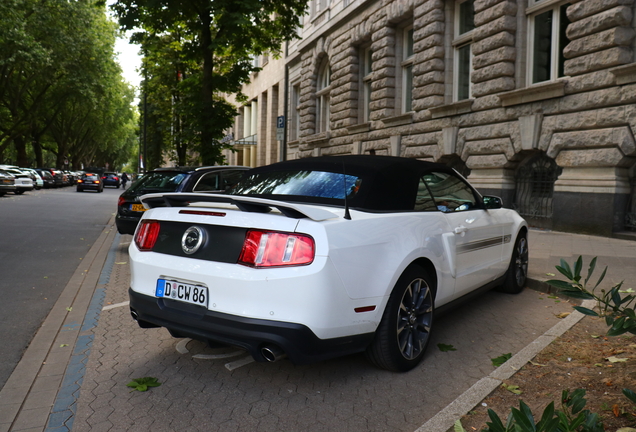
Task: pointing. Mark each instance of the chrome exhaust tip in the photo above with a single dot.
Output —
(134, 314)
(272, 353)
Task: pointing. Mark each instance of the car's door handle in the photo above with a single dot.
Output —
(460, 230)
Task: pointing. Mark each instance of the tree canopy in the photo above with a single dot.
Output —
(197, 51)
(61, 90)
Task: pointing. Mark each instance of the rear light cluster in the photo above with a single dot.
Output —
(260, 248)
(147, 234)
(274, 249)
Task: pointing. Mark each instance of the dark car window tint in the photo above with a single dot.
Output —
(299, 183)
(159, 182)
(231, 178)
(449, 192)
(208, 182)
(424, 201)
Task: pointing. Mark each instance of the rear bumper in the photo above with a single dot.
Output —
(299, 343)
(126, 224)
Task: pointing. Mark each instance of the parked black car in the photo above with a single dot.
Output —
(111, 179)
(216, 179)
(90, 181)
(47, 178)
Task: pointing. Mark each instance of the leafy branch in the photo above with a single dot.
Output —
(611, 304)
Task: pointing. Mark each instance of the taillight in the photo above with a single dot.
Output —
(80, 181)
(120, 201)
(275, 249)
(146, 234)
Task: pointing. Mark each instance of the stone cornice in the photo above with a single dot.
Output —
(317, 139)
(533, 93)
(625, 74)
(359, 128)
(455, 108)
(398, 120)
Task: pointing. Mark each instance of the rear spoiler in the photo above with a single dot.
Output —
(244, 203)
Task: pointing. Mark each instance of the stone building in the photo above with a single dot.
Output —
(532, 100)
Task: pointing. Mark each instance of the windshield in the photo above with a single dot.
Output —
(318, 184)
(165, 181)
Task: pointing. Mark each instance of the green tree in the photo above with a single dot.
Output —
(60, 88)
(221, 36)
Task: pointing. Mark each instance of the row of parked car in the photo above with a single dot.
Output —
(19, 180)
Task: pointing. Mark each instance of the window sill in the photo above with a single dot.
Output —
(319, 138)
(625, 74)
(293, 143)
(399, 120)
(461, 107)
(359, 128)
(533, 93)
(320, 17)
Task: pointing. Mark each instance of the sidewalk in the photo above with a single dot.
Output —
(43, 393)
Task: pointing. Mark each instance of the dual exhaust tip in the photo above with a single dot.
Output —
(271, 353)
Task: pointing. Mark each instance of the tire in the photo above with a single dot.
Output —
(517, 273)
(405, 330)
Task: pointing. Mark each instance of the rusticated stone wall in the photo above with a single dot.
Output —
(585, 121)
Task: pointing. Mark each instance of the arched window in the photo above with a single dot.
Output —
(535, 186)
(323, 108)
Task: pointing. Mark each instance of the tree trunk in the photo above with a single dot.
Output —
(20, 148)
(209, 149)
(37, 149)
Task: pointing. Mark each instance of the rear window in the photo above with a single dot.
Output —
(166, 181)
(310, 184)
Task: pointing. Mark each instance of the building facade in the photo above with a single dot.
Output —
(533, 101)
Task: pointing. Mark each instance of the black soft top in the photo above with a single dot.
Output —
(388, 183)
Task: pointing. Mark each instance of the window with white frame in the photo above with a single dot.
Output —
(547, 23)
(323, 108)
(294, 124)
(462, 50)
(407, 57)
(366, 69)
(319, 6)
(255, 60)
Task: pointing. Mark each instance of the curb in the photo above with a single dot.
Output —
(32, 389)
(444, 420)
(65, 406)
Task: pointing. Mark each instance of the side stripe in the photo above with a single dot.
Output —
(483, 244)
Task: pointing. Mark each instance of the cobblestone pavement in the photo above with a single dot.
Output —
(203, 393)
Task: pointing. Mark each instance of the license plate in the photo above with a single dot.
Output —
(188, 293)
(137, 207)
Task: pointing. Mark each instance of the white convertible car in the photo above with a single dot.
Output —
(321, 257)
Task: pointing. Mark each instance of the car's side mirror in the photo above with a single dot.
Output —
(492, 202)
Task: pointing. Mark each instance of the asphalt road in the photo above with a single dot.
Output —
(43, 237)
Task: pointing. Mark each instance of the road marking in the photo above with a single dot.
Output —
(239, 363)
(116, 305)
(182, 348)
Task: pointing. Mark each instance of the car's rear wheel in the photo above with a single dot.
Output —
(518, 269)
(79, 190)
(405, 330)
